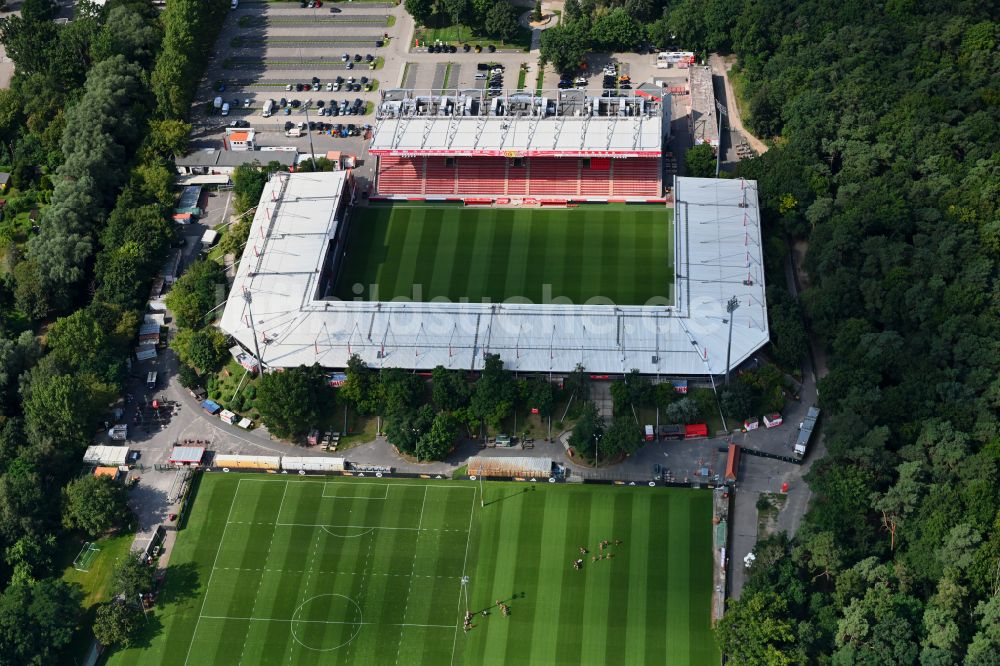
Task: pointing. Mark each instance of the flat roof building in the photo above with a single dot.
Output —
(704, 114)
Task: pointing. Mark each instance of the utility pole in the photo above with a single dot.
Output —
(312, 151)
(718, 156)
(731, 307)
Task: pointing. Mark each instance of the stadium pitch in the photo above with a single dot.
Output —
(283, 570)
(615, 252)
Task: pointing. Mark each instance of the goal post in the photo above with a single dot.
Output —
(86, 556)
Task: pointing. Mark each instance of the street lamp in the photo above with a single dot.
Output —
(731, 307)
(597, 450)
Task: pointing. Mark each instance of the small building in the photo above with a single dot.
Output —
(772, 420)
(112, 472)
(733, 463)
(170, 267)
(672, 431)
(246, 360)
(149, 333)
(704, 115)
(4, 181)
(510, 467)
(146, 352)
(187, 456)
(211, 407)
(226, 462)
(208, 238)
(695, 431)
(312, 464)
(224, 162)
(239, 139)
(106, 456)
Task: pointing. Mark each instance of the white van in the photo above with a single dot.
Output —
(217, 103)
(235, 4)
(268, 107)
(225, 109)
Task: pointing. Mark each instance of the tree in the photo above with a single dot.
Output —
(292, 401)
(132, 578)
(196, 292)
(37, 620)
(501, 21)
(699, 161)
(538, 394)
(116, 624)
(536, 14)
(900, 500)
(362, 387)
(564, 46)
(93, 504)
(30, 556)
(400, 390)
(405, 428)
(684, 411)
(616, 31)
(985, 645)
(459, 12)
(494, 394)
(588, 429)
(623, 436)
(248, 184)
(449, 389)
(420, 10)
(440, 439)
(62, 407)
(756, 630)
(737, 400)
(204, 349)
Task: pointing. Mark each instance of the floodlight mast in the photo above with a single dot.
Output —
(248, 297)
(731, 307)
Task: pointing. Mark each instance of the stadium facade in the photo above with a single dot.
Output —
(281, 309)
(552, 147)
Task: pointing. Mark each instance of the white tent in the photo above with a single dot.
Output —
(106, 456)
(312, 464)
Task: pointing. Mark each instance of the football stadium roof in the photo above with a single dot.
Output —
(519, 124)
(717, 249)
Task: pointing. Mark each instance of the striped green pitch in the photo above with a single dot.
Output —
(415, 251)
(283, 570)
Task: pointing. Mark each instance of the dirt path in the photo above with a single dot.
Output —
(721, 67)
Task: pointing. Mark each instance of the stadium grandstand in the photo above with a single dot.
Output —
(282, 310)
(553, 147)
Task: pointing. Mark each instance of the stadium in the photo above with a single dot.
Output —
(549, 148)
(488, 234)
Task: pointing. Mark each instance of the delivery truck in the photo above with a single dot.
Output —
(806, 429)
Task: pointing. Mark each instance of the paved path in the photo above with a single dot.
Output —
(720, 67)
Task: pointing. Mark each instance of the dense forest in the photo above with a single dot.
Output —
(885, 121)
(89, 128)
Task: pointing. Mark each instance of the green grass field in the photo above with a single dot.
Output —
(282, 570)
(621, 253)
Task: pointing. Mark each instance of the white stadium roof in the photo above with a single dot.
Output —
(518, 124)
(717, 256)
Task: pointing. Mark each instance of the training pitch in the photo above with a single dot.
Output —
(620, 253)
(284, 570)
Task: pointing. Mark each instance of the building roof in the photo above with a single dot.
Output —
(510, 466)
(239, 136)
(552, 124)
(106, 471)
(717, 256)
(187, 454)
(106, 455)
(704, 115)
(4, 177)
(213, 157)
